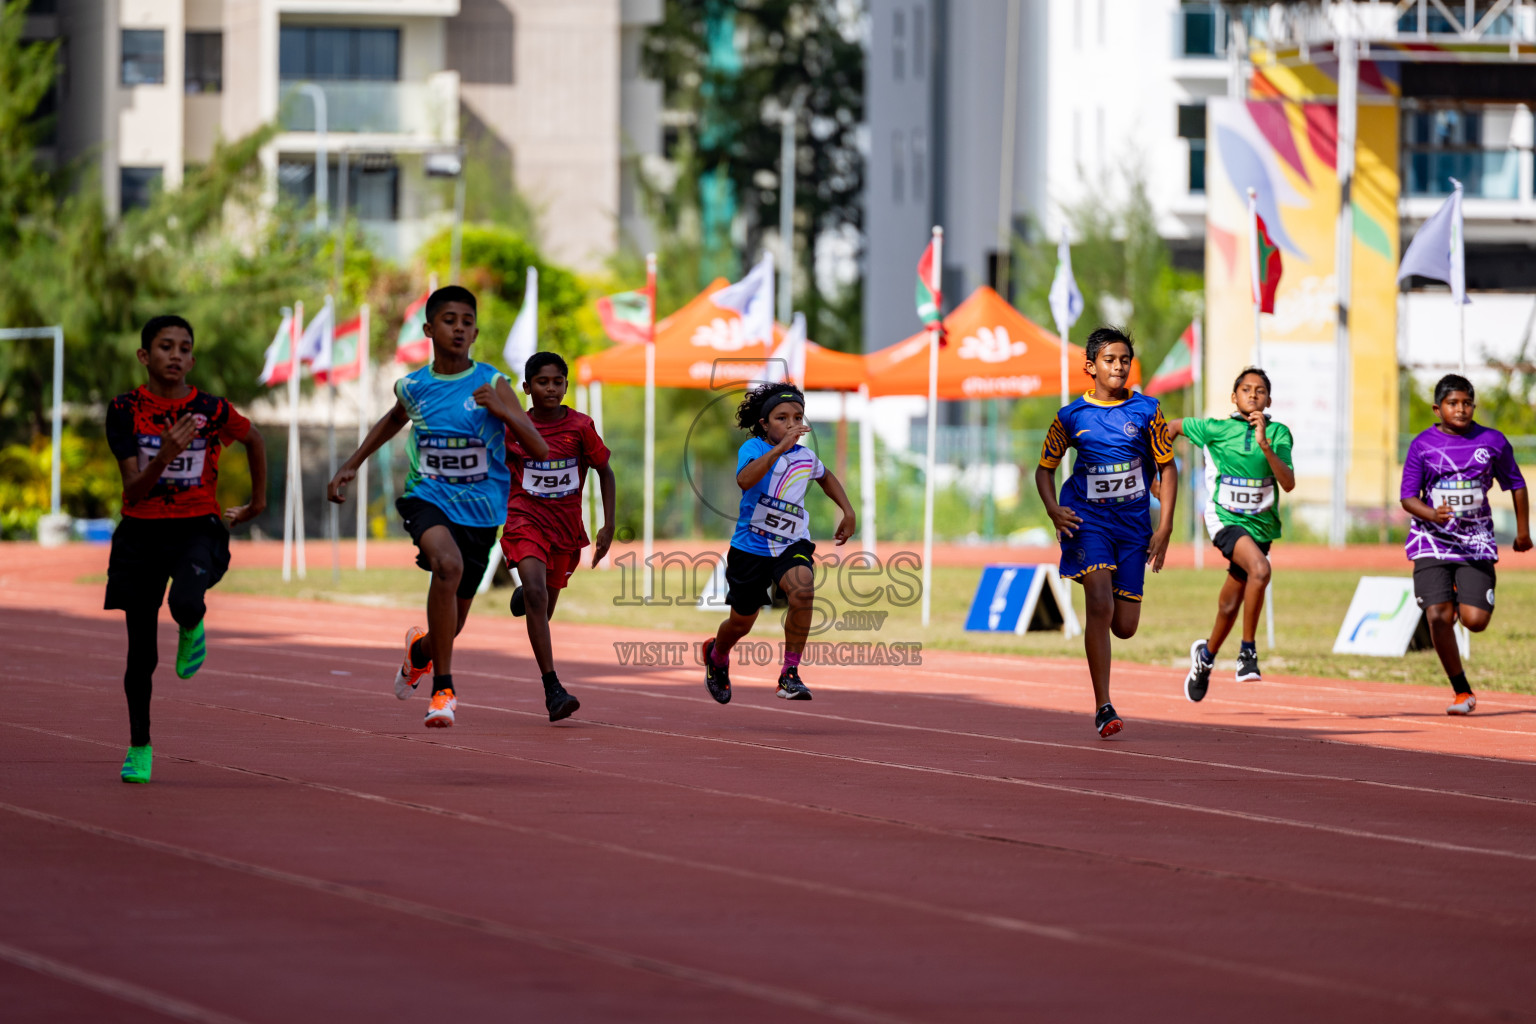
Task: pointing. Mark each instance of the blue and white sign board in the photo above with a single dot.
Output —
(1385, 621)
(1020, 598)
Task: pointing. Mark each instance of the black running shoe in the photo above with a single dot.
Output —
(1199, 678)
(1248, 667)
(518, 607)
(1107, 722)
(716, 677)
(560, 703)
(790, 686)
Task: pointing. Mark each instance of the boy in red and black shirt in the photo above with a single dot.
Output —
(166, 436)
(544, 536)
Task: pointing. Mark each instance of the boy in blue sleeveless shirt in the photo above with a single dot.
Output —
(456, 493)
(1104, 517)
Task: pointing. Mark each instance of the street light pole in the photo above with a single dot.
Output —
(322, 160)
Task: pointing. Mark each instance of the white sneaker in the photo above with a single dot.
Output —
(1463, 705)
(440, 711)
(409, 675)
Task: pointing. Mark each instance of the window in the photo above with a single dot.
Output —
(1456, 142)
(336, 53)
(919, 165)
(373, 185)
(898, 167)
(1204, 29)
(143, 57)
(136, 187)
(899, 44)
(919, 42)
(1192, 127)
(205, 62)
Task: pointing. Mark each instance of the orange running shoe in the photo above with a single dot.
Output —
(1463, 704)
(440, 712)
(409, 675)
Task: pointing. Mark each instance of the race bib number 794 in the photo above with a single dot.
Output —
(551, 478)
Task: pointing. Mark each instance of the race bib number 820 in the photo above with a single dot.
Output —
(454, 460)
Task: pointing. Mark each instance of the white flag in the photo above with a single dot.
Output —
(1066, 300)
(274, 369)
(523, 338)
(788, 360)
(314, 345)
(1436, 251)
(752, 297)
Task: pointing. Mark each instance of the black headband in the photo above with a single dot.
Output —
(779, 399)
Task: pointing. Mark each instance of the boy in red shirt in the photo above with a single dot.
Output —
(166, 436)
(543, 537)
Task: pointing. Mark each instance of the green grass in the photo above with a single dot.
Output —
(1179, 607)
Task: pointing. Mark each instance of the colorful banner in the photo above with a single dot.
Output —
(1285, 149)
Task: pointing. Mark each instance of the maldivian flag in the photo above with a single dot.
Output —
(626, 316)
(278, 360)
(346, 355)
(1266, 267)
(413, 346)
(929, 300)
(1178, 366)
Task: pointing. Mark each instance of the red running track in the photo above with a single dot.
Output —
(950, 843)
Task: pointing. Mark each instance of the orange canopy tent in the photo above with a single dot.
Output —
(701, 346)
(994, 351)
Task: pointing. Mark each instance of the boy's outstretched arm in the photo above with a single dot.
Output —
(256, 455)
(1176, 427)
(1168, 497)
(500, 402)
(388, 426)
(604, 538)
(1522, 499)
(834, 488)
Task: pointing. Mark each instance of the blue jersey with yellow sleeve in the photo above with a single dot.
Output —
(1119, 445)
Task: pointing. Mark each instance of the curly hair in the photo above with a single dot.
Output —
(757, 403)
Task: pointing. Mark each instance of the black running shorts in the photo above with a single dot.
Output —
(1439, 581)
(474, 542)
(748, 576)
(147, 553)
(1226, 542)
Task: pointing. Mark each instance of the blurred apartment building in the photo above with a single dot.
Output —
(1107, 86)
(551, 87)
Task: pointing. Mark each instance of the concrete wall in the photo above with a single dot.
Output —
(150, 121)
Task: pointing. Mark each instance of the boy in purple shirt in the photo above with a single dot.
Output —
(1446, 478)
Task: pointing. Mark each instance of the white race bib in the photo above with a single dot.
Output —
(1246, 495)
(186, 469)
(1465, 497)
(1113, 483)
(551, 478)
(453, 460)
(778, 520)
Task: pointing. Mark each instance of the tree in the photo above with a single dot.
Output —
(785, 51)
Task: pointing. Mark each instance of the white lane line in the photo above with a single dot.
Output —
(772, 994)
(125, 991)
(994, 921)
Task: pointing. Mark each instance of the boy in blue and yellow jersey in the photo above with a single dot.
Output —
(456, 493)
(1104, 516)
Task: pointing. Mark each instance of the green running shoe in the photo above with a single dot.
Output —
(136, 765)
(191, 649)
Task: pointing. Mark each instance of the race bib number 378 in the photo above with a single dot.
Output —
(1113, 483)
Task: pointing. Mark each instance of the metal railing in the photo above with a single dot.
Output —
(423, 109)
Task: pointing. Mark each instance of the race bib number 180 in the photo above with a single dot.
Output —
(551, 478)
(1114, 483)
(453, 460)
(1465, 497)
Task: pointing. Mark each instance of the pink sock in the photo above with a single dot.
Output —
(791, 661)
(719, 657)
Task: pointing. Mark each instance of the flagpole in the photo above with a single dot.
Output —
(333, 519)
(935, 284)
(867, 468)
(649, 535)
(1196, 453)
(293, 504)
(595, 410)
(1257, 275)
(364, 404)
(293, 345)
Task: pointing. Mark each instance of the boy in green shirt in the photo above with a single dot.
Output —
(1249, 455)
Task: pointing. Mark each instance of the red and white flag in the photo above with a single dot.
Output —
(344, 358)
(413, 346)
